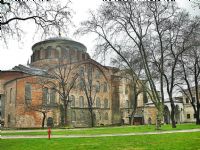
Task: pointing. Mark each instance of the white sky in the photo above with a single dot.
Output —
(19, 53)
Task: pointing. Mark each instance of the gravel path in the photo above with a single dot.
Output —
(99, 135)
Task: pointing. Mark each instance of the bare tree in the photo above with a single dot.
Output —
(62, 78)
(132, 21)
(190, 68)
(89, 85)
(49, 17)
(170, 25)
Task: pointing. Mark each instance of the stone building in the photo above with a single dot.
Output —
(23, 97)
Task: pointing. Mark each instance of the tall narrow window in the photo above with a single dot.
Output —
(28, 94)
(187, 100)
(98, 116)
(81, 85)
(98, 102)
(106, 103)
(126, 89)
(73, 116)
(11, 94)
(81, 102)
(53, 96)
(105, 87)
(45, 95)
(72, 99)
(97, 76)
(97, 86)
(81, 72)
(8, 118)
(106, 116)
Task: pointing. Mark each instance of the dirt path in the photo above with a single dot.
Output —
(99, 135)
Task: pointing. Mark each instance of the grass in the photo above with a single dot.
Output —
(175, 141)
(106, 130)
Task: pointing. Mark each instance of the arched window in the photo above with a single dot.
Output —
(106, 103)
(53, 96)
(72, 99)
(81, 102)
(97, 86)
(106, 116)
(73, 116)
(98, 102)
(105, 87)
(45, 95)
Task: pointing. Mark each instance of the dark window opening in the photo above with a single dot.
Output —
(188, 116)
(98, 103)
(72, 99)
(45, 95)
(28, 94)
(8, 118)
(11, 95)
(187, 100)
(98, 87)
(106, 116)
(105, 87)
(81, 85)
(83, 56)
(81, 102)
(106, 103)
(53, 96)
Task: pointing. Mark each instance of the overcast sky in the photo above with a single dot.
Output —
(19, 53)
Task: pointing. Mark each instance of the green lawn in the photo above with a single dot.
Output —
(107, 130)
(175, 141)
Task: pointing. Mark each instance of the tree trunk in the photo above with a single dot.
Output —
(159, 116)
(132, 117)
(92, 117)
(65, 115)
(197, 114)
(172, 112)
(43, 119)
